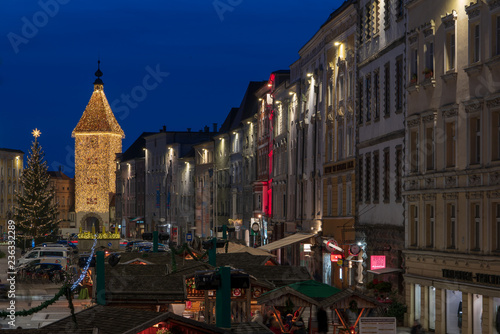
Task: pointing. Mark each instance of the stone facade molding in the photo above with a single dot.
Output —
(450, 110)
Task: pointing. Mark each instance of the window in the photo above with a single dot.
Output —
(496, 35)
(387, 13)
(387, 175)
(475, 140)
(368, 21)
(349, 85)
(349, 145)
(387, 89)
(376, 175)
(475, 227)
(495, 135)
(360, 183)
(376, 89)
(329, 200)
(451, 225)
(451, 144)
(330, 145)
(414, 148)
(368, 170)
(348, 197)
(400, 8)
(340, 199)
(399, 172)
(496, 225)
(429, 225)
(429, 147)
(475, 43)
(368, 88)
(360, 92)
(330, 94)
(413, 225)
(399, 84)
(429, 59)
(340, 143)
(414, 65)
(450, 51)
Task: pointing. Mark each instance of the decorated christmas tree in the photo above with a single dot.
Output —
(36, 213)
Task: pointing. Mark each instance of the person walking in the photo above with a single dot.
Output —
(322, 318)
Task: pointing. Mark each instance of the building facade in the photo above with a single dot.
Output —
(11, 168)
(380, 138)
(64, 188)
(452, 198)
(98, 138)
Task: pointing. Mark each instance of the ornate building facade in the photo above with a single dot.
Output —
(452, 179)
(11, 168)
(98, 138)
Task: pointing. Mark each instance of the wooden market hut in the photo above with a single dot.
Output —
(311, 293)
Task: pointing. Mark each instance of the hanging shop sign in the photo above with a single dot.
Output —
(332, 245)
(377, 262)
(354, 250)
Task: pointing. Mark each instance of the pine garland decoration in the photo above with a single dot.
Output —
(36, 213)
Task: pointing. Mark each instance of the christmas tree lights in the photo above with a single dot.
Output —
(36, 213)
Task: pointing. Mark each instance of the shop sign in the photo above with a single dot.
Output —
(189, 305)
(377, 262)
(236, 292)
(332, 245)
(470, 277)
(335, 257)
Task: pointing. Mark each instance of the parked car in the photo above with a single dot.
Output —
(147, 246)
(130, 245)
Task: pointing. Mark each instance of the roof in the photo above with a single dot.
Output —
(249, 103)
(136, 149)
(98, 116)
(11, 150)
(234, 247)
(343, 299)
(58, 175)
(226, 126)
(117, 320)
(236, 259)
(109, 320)
(294, 238)
(277, 276)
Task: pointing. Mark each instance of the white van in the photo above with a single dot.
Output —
(42, 252)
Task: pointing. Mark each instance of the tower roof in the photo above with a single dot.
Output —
(98, 116)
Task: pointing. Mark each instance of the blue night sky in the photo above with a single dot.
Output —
(49, 51)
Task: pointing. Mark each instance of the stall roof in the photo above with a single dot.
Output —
(304, 293)
(385, 271)
(294, 238)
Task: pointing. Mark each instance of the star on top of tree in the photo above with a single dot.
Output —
(36, 133)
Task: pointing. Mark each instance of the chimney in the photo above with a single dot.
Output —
(215, 127)
(189, 129)
(207, 129)
(164, 128)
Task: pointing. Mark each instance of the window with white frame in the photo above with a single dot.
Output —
(475, 42)
(413, 65)
(429, 59)
(340, 88)
(450, 51)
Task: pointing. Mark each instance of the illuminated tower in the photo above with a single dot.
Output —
(98, 137)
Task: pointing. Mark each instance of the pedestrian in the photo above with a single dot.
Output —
(322, 319)
(257, 317)
(417, 328)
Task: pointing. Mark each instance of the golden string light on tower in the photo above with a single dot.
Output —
(98, 137)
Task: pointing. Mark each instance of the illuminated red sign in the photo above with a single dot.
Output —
(335, 257)
(377, 262)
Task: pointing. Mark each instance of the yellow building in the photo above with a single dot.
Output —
(64, 188)
(11, 168)
(452, 176)
(98, 138)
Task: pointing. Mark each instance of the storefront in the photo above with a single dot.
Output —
(452, 294)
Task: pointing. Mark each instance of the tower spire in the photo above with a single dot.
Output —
(98, 74)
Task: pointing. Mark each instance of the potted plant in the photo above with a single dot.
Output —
(428, 73)
(413, 79)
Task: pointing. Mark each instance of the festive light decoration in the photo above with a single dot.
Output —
(98, 137)
(105, 235)
(87, 265)
(36, 213)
